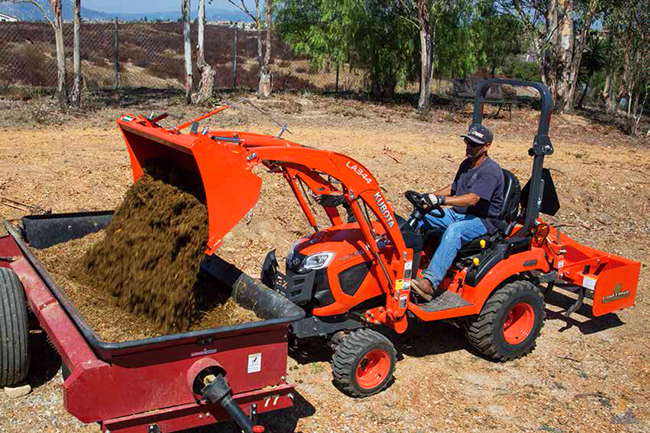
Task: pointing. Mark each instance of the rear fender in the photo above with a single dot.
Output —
(515, 265)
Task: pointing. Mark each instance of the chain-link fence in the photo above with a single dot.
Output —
(151, 55)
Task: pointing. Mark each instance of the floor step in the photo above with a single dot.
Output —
(445, 301)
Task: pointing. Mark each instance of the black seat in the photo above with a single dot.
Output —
(412, 239)
(507, 218)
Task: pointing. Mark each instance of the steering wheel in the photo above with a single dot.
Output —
(417, 200)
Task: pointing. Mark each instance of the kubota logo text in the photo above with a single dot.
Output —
(384, 209)
(358, 171)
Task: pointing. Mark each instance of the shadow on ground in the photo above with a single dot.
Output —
(45, 361)
(137, 96)
(583, 318)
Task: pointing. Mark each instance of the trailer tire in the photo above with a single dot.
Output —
(14, 330)
(509, 323)
(363, 363)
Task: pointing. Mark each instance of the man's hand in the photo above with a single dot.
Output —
(433, 200)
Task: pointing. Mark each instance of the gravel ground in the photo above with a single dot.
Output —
(584, 375)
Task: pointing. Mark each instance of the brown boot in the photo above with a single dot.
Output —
(424, 288)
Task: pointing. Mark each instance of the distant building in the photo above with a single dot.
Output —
(4, 18)
(245, 25)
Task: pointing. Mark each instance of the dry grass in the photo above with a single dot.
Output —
(575, 380)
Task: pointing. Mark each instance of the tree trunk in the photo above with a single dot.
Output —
(579, 49)
(547, 49)
(206, 85)
(185, 11)
(200, 53)
(584, 93)
(265, 85)
(60, 53)
(565, 56)
(76, 87)
(425, 56)
(610, 102)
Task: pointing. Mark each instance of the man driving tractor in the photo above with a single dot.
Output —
(476, 197)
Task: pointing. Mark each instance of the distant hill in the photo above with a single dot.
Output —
(28, 12)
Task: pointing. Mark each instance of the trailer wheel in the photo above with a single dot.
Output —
(509, 323)
(363, 363)
(14, 330)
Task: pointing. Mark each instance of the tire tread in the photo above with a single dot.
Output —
(344, 360)
(480, 332)
(14, 330)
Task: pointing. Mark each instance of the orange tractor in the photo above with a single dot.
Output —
(354, 276)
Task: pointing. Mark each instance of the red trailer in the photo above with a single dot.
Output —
(161, 384)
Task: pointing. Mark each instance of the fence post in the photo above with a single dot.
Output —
(234, 68)
(337, 76)
(116, 82)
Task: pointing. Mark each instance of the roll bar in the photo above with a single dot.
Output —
(542, 145)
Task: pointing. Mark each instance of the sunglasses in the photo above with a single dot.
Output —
(472, 143)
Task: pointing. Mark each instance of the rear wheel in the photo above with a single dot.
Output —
(510, 322)
(363, 363)
(14, 330)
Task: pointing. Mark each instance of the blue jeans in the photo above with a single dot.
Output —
(458, 229)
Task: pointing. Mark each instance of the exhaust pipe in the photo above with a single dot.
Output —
(217, 390)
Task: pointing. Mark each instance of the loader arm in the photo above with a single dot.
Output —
(224, 161)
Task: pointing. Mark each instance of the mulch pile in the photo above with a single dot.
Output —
(142, 274)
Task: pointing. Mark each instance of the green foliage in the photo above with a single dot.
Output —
(593, 58)
(499, 36)
(381, 38)
(519, 69)
(456, 45)
(370, 35)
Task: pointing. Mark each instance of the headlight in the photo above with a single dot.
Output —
(317, 261)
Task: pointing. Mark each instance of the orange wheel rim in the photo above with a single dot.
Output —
(373, 368)
(519, 323)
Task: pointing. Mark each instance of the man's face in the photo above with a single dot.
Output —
(474, 150)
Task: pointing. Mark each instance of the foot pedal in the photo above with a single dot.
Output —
(445, 301)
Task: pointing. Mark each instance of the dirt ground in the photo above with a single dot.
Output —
(585, 374)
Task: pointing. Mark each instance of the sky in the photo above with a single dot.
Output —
(142, 6)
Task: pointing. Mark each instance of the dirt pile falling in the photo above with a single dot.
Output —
(151, 254)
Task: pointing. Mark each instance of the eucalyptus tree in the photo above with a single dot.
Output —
(57, 25)
(558, 30)
(262, 17)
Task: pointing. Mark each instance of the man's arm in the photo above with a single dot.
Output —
(446, 191)
(483, 188)
(465, 200)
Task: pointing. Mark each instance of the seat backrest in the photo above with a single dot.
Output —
(511, 194)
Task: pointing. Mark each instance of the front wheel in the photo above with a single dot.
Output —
(509, 323)
(363, 363)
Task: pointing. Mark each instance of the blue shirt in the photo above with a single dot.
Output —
(486, 181)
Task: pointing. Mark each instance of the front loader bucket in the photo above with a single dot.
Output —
(231, 190)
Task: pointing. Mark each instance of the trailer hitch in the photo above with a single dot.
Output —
(217, 390)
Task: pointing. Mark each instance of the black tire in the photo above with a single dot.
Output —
(14, 330)
(359, 347)
(486, 332)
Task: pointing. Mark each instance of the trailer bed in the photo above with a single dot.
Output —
(128, 386)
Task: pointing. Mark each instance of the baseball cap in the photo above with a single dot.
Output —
(479, 134)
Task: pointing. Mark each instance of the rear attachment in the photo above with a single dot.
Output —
(609, 280)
